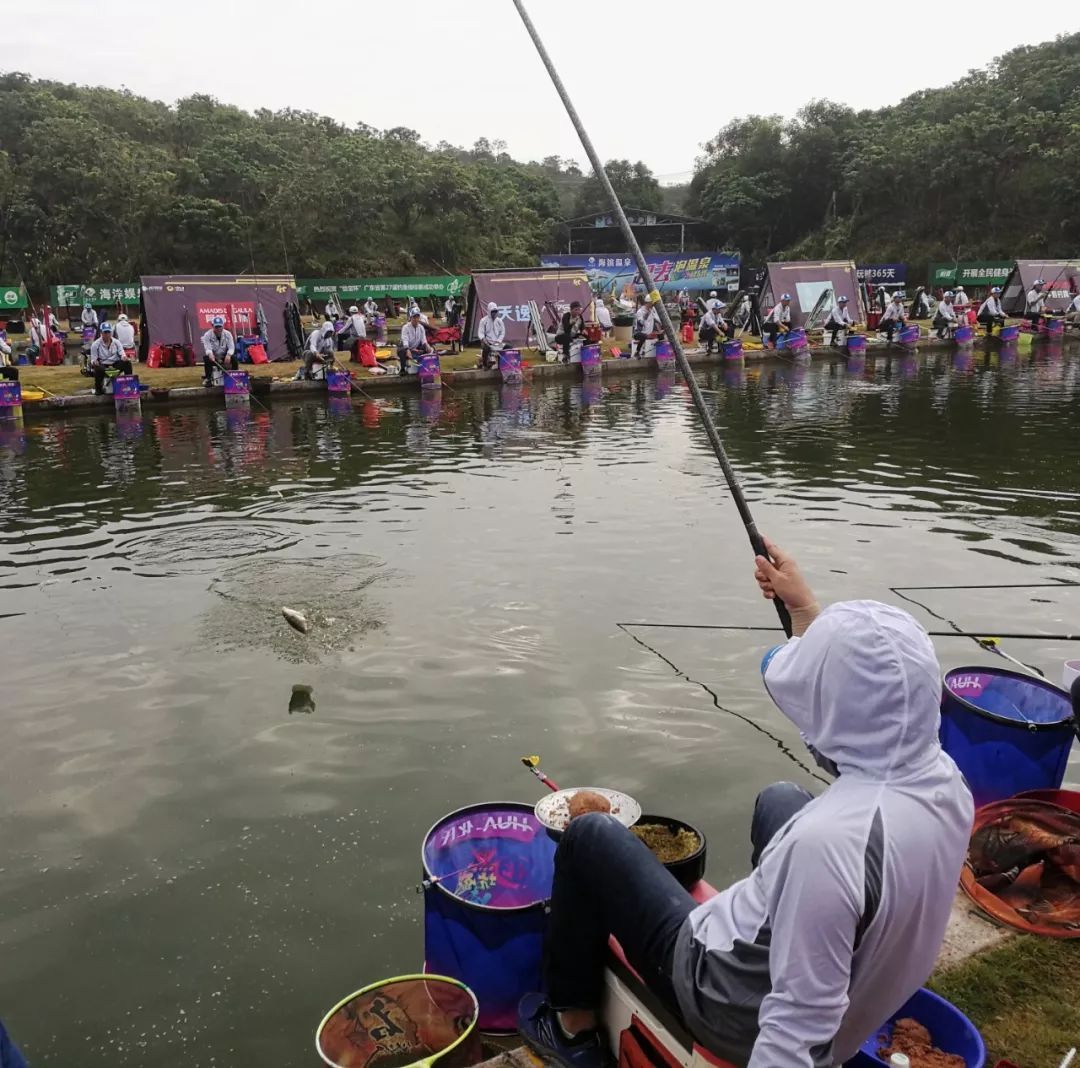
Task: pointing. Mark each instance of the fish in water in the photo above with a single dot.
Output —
(296, 620)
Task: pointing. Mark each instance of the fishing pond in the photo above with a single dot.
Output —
(210, 824)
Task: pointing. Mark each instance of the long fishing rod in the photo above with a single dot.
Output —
(981, 638)
(757, 542)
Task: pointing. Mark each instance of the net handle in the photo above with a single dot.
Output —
(426, 1062)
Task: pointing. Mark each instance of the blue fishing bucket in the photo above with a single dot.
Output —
(733, 350)
(590, 360)
(664, 355)
(793, 341)
(856, 345)
(1009, 333)
(510, 366)
(430, 371)
(909, 335)
(964, 335)
(338, 382)
(1006, 731)
(487, 878)
(1053, 327)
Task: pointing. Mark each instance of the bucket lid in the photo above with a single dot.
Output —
(495, 855)
(1008, 696)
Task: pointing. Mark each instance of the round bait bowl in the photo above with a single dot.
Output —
(688, 870)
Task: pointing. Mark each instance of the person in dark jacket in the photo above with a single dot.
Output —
(571, 328)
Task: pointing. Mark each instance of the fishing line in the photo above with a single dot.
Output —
(757, 542)
(780, 743)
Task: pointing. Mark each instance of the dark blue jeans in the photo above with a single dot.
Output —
(607, 882)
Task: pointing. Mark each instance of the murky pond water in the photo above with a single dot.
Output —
(197, 858)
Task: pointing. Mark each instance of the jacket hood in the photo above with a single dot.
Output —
(863, 686)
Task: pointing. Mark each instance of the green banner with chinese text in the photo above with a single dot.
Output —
(438, 285)
(970, 273)
(100, 294)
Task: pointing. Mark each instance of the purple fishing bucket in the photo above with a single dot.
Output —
(338, 382)
(429, 371)
(510, 366)
(856, 345)
(237, 384)
(909, 335)
(664, 356)
(590, 360)
(125, 387)
(794, 341)
(487, 877)
(10, 397)
(1009, 333)
(1053, 327)
(733, 350)
(964, 335)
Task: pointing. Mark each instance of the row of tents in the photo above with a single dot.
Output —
(175, 309)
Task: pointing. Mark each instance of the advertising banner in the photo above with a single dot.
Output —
(99, 294)
(970, 273)
(12, 298)
(614, 274)
(881, 273)
(239, 316)
(436, 285)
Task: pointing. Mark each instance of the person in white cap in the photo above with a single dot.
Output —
(839, 319)
(713, 302)
(125, 332)
(106, 353)
(414, 342)
(779, 318)
(945, 320)
(842, 917)
(1036, 301)
(355, 328)
(219, 350)
(991, 313)
(894, 317)
(371, 308)
(492, 335)
(961, 302)
(89, 316)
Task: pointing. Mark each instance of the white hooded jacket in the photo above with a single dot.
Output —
(798, 964)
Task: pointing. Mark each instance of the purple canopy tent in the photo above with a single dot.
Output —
(806, 281)
(1062, 278)
(177, 308)
(512, 290)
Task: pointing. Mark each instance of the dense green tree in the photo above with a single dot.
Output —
(633, 182)
(96, 184)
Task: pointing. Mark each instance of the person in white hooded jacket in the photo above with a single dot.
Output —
(842, 918)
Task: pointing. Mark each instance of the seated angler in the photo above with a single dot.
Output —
(571, 329)
(991, 313)
(492, 335)
(839, 319)
(219, 350)
(894, 317)
(844, 913)
(414, 342)
(945, 317)
(107, 354)
(779, 319)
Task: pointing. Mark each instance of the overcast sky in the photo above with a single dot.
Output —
(651, 80)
